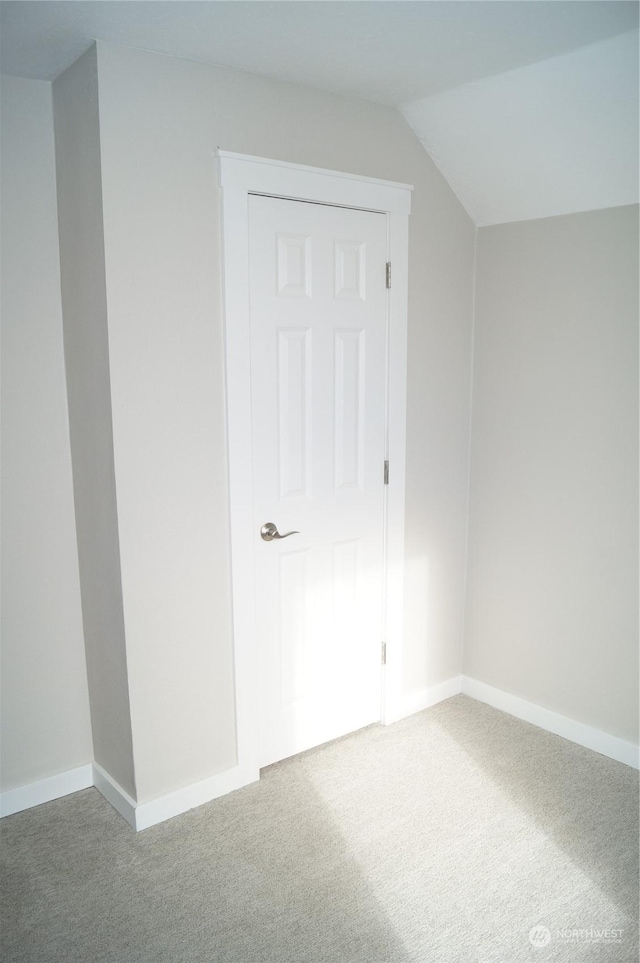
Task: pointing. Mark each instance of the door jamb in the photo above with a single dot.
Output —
(241, 175)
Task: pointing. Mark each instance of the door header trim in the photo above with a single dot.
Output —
(281, 179)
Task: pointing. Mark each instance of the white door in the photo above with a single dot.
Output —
(318, 376)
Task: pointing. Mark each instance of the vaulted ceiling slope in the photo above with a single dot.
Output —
(527, 106)
(557, 137)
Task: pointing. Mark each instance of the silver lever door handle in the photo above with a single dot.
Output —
(269, 531)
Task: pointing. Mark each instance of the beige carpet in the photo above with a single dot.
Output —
(460, 835)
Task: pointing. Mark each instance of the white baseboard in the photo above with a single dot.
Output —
(423, 699)
(45, 790)
(138, 815)
(578, 732)
(144, 815)
(115, 794)
(174, 803)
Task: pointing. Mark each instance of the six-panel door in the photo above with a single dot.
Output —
(318, 349)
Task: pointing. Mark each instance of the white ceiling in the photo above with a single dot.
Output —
(436, 59)
(386, 51)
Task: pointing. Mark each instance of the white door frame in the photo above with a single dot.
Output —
(241, 175)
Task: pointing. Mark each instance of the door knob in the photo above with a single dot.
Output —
(269, 531)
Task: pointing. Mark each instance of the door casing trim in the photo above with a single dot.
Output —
(241, 175)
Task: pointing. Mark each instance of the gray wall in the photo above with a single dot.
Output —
(552, 609)
(161, 120)
(552, 575)
(45, 708)
(75, 100)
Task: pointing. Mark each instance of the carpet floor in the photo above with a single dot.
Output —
(458, 835)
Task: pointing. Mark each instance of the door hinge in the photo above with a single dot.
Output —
(388, 275)
(386, 472)
(384, 653)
